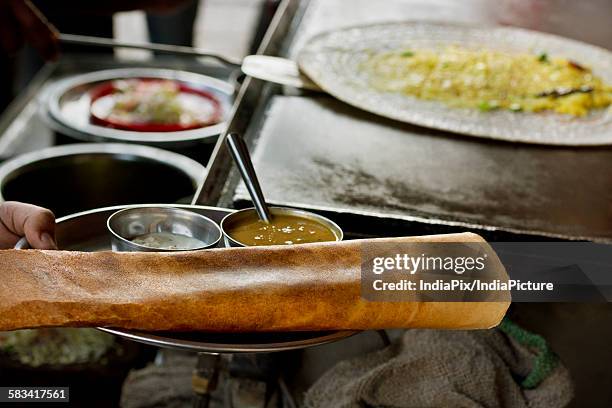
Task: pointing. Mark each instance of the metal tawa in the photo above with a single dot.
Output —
(66, 107)
(86, 231)
(334, 61)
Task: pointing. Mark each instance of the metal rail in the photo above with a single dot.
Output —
(160, 48)
(247, 100)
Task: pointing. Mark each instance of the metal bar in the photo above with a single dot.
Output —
(8, 139)
(161, 48)
(205, 378)
(220, 161)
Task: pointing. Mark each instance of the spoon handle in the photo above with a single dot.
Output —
(240, 154)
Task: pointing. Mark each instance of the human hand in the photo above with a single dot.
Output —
(35, 223)
(21, 21)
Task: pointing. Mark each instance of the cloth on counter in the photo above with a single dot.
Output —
(504, 367)
(167, 385)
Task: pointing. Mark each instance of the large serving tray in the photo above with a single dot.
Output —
(86, 231)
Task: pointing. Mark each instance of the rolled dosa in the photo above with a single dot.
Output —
(280, 288)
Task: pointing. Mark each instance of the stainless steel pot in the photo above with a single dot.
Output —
(79, 177)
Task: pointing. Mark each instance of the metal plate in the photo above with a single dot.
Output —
(86, 231)
(332, 61)
(67, 102)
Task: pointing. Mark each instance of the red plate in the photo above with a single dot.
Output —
(109, 88)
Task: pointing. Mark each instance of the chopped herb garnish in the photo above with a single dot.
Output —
(407, 54)
(543, 57)
(486, 106)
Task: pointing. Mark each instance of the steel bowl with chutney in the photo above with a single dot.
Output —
(288, 227)
(161, 229)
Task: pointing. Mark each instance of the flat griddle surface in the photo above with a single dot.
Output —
(318, 153)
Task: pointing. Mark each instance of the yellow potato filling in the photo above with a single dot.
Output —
(489, 80)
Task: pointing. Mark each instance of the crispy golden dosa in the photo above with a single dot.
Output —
(281, 288)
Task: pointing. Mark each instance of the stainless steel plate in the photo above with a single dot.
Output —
(86, 231)
(66, 105)
(332, 61)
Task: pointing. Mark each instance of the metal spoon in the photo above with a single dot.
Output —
(240, 154)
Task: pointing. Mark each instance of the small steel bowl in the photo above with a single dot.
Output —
(125, 225)
(249, 213)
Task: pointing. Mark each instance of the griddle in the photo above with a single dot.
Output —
(318, 153)
(378, 177)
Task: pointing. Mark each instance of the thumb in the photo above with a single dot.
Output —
(35, 223)
(39, 230)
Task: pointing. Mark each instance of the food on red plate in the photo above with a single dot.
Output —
(153, 105)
